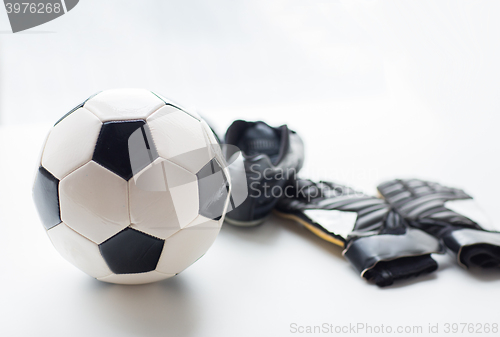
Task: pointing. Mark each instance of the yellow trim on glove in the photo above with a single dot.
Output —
(313, 229)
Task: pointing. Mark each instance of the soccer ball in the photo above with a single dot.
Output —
(130, 187)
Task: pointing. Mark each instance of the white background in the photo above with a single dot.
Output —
(377, 89)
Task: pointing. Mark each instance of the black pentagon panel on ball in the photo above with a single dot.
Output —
(46, 197)
(76, 108)
(131, 252)
(213, 189)
(125, 147)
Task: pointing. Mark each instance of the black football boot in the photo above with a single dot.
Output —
(271, 157)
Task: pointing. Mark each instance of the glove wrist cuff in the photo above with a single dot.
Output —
(367, 253)
(474, 247)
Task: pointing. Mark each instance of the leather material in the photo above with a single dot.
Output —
(168, 189)
(124, 104)
(212, 178)
(131, 251)
(272, 156)
(140, 278)
(71, 143)
(46, 198)
(71, 246)
(187, 246)
(377, 241)
(424, 205)
(89, 208)
(125, 148)
(188, 146)
(94, 202)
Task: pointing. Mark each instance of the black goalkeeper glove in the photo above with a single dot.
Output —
(448, 214)
(376, 240)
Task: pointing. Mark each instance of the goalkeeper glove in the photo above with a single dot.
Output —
(376, 240)
(448, 214)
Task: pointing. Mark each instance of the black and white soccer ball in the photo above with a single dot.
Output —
(130, 187)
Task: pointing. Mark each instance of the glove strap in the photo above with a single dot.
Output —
(385, 258)
(475, 247)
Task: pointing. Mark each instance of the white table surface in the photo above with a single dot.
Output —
(253, 281)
